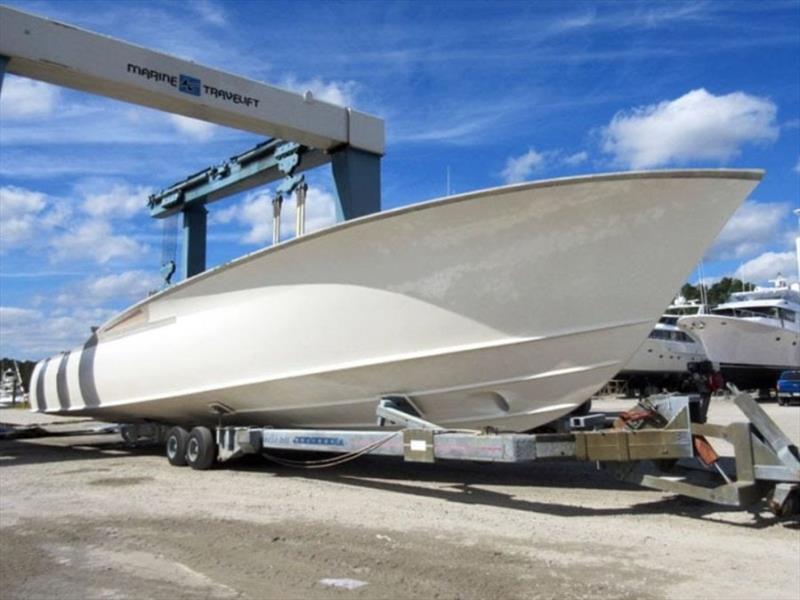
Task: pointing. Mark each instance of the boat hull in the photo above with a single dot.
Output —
(659, 364)
(750, 354)
(661, 356)
(451, 303)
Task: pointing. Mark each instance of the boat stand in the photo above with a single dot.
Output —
(670, 454)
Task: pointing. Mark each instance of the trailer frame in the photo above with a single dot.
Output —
(662, 455)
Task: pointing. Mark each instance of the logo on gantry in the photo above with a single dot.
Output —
(189, 85)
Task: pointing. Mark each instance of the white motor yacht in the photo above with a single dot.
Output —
(661, 360)
(753, 336)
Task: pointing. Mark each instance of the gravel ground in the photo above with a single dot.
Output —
(83, 516)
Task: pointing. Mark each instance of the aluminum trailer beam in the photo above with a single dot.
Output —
(767, 467)
(58, 53)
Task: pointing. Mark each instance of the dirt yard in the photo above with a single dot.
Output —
(83, 516)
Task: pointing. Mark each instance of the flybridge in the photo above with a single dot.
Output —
(303, 132)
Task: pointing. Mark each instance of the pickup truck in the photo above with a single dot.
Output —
(789, 387)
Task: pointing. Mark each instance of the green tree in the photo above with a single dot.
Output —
(690, 292)
(717, 293)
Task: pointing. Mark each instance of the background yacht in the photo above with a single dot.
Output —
(753, 336)
(660, 362)
(12, 390)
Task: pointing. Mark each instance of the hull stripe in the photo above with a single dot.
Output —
(40, 400)
(86, 373)
(61, 381)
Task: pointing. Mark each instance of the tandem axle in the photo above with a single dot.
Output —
(656, 446)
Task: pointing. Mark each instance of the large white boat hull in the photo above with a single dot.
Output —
(660, 364)
(749, 353)
(499, 308)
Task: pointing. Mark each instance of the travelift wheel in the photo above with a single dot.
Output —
(201, 451)
(176, 446)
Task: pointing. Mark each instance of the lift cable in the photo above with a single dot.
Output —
(169, 247)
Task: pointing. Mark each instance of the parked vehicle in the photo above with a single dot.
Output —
(789, 387)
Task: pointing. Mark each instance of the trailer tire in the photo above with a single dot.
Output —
(176, 446)
(129, 434)
(201, 449)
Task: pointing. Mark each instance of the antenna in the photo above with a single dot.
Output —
(448, 181)
(797, 243)
(703, 291)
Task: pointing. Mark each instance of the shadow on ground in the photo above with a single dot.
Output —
(459, 482)
(15, 453)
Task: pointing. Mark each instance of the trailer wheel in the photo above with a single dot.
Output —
(201, 450)
(129, 434)
(176, 446)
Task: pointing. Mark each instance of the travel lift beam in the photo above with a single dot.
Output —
(61, 54)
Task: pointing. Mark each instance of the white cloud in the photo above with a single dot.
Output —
(254, 213)
(211, 12)
(519, 168)
(767, 266)
(197, 130)
(97, 120)
(25, 98)
(11, 316)
(128, 285)
(23, 217)
(17, 202)
(753, 226)
(797, 166)
(698, 126)
(576, 159)
(635, 17)
(113, 199)
(336, 92)
(94, 240)
(462, 132)
(33, 334)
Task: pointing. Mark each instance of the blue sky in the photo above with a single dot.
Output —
(495, 92)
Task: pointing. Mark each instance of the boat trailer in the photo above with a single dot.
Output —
(657, 445)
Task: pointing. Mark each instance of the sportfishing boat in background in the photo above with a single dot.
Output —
(12, 390)
(660, 362)
(472, 307)
(753, 336)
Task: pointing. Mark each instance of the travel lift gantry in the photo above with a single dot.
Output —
(647, 446)
(305, 132)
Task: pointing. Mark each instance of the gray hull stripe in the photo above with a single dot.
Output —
(86, 373)
(61, 381)
(40, 401)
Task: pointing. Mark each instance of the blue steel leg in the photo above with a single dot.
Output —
(194, 240)
(3, 63)
(358, 182)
